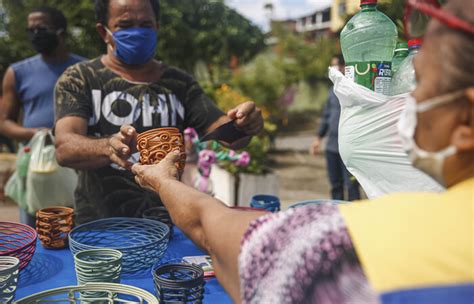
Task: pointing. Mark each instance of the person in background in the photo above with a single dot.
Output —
(402, 248)
(6, 143)
(28, 85)
(97, 100)
(339, 177)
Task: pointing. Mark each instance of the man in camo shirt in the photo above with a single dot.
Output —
(102, 104)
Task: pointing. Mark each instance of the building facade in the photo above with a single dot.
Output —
(315, 25)
(323, 23)
(340, 9)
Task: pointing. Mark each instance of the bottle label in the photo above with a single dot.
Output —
(373, 75)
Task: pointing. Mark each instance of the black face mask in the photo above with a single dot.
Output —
(43, 41)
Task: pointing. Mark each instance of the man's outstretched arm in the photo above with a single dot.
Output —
(76, 150)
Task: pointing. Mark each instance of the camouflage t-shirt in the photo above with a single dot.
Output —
(94, 92)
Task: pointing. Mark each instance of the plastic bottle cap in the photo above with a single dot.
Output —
(402, 46)
(413, 43)
(365, 2)
(27, 149)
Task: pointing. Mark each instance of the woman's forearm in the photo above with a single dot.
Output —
(189, 209)
(210, 225)
(205, 220)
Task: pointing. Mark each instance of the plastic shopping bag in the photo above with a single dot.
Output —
(7, 168)
(369, 143)
(47, 183)
(15, 188)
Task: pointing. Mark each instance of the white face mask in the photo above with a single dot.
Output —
(431, 163)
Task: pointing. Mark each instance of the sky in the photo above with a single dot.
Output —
(254, 9)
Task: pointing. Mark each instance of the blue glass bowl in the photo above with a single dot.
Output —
(141, 241)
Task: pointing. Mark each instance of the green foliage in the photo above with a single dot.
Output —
(83, 37)
(292, 62)
(395, 10)
(263, 81)
(305, 60)
(258, 150)
(228, 98)
(205, 30)
(310, 98)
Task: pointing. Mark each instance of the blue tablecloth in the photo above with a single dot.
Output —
(55, 268)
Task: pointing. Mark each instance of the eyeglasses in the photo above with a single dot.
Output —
(418, 14)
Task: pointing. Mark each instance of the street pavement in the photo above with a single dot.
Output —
(302, 176)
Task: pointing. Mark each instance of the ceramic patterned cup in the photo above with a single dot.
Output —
(155, 144)
(53, 225)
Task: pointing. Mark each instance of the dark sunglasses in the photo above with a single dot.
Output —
(418, 14)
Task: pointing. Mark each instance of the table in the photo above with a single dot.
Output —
(55, 268)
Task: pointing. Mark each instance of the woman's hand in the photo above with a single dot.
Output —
(153, 176)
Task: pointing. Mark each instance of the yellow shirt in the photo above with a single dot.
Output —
(415, 240)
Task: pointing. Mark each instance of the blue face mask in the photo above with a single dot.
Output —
(135, 46)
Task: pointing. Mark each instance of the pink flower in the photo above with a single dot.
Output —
(244, 160)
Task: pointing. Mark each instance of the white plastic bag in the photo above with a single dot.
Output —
(15, 188)
(47, 183)
(369, 143)
(7, 168)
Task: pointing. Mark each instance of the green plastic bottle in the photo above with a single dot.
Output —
(368, 41)
(401, 52)
(23, 163)
(405, 79)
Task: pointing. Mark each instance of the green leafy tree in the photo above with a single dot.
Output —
(263, 81)
(205, 30)
(303, 59)
(291, 62)
(83, 38)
